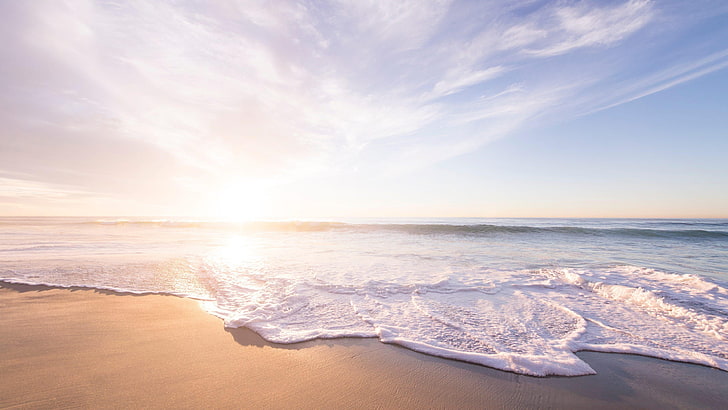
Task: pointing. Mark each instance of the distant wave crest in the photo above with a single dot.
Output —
(716, 230)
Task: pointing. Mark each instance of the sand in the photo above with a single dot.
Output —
(89, 348)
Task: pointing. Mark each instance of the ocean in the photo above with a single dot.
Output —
(520, 295)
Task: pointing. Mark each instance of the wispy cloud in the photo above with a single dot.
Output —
(663, 80)
(20, 189)
(573, 27)
(304, 88)
(459, 79)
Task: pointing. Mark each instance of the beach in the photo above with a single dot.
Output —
(334, 205)
(89, 348)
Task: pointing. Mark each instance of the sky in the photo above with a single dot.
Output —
(252, 109)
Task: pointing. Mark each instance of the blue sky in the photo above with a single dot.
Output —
(364, 108)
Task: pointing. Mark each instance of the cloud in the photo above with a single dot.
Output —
(396, 26)
(582, 26)
(663, 80)
(22, 189)
(235, 89)
(457, 80)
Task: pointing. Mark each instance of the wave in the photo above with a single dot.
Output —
(10, 282)
(528, 322)
(433, 229)
(33, 248)
(488, 229)
(284, 226)
(649, 229)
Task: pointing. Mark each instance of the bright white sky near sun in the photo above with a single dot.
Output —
(245, 109)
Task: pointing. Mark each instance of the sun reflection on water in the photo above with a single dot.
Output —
(236, 251)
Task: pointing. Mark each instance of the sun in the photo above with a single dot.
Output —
(240, 201)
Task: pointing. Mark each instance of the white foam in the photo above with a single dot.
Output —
(531, 330)
(645, 287)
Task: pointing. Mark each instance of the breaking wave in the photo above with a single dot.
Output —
(696, 229)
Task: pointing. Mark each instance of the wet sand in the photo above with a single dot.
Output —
(91, 348)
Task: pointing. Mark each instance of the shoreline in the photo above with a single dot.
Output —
(96, 348)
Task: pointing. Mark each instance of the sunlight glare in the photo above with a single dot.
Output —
(236, 251)
(240, 201)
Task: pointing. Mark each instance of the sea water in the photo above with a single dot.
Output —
(515, 294)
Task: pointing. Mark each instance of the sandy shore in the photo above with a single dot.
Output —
(88, 348)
